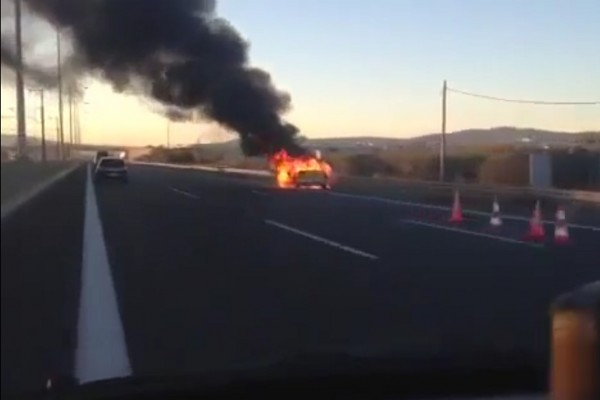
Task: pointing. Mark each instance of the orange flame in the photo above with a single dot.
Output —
(287, 167)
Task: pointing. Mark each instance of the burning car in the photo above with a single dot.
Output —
(306, 171)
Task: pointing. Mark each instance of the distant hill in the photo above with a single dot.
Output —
(503, 135)
(470, 137)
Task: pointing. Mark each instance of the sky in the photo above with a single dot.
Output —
(357, 68)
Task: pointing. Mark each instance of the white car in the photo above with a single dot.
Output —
(111, 168)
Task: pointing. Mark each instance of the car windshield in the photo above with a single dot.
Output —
(296, 187)
(311, 174)
(112, 163)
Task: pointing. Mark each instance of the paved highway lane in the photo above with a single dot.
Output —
(203, 282)
(577, 211)
(212, 272)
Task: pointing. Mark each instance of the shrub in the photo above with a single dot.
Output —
(505, 169)
(464, 168)
(577, 169)
(367, 165)
(180, 156)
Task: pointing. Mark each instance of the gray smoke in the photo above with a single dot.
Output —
(45, 77)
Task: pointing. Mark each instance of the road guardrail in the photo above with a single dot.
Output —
(207, 168)
(580, 195)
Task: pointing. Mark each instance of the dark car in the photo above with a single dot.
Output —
(111, 168)
(100, 155)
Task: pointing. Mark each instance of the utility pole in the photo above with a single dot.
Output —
(61, 130)
(21, 127)
(443, 136)
(42, 121)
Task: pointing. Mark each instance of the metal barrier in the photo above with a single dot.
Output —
(587, 196)
(206, 168)
(581, 195)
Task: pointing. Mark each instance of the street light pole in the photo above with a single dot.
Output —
(70, 97)
(58, 144)
(168, 134)
(77, 125)
(42, 121)
(21, 127)
(78, 111)
(61, 132)
(77, 114)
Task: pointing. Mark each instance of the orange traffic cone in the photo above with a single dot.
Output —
(561, 230)
(536, 226)
(496, 220)
(457, 216)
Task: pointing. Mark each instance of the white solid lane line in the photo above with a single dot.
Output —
(321, 240)
(184, 193)
(101, 351)
(467, 232)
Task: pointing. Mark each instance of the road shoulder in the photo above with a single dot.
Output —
(40, 274)
(14, 198)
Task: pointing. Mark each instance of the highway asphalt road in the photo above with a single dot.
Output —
(212, 272)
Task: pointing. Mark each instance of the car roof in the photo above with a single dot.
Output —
(111, 158)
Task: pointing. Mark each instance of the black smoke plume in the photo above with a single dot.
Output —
(183, 55)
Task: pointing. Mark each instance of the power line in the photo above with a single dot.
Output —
(520, 101)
